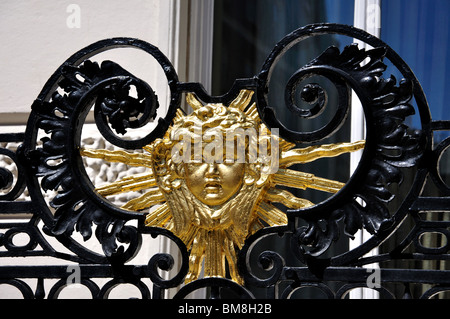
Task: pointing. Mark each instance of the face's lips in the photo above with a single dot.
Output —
(213, 186)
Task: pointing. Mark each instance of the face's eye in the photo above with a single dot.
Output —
(196, 163)
(228, 162)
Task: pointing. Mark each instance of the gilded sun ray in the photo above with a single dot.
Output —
(211, 199)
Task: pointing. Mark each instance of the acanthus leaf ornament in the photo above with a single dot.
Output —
(59, 113)
(54, 161)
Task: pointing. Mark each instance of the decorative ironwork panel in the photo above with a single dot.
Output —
(227, 211)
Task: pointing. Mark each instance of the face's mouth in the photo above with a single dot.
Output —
(213, 186)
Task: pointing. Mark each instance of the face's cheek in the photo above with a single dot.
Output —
(195, 178)
(232, 178)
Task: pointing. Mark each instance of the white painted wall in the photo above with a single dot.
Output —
(39, 35)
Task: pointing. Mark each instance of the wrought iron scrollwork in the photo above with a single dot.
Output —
(362, 203)
(49, 160)
(62, 115)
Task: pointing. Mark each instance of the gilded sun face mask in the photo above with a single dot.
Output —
(213, 178)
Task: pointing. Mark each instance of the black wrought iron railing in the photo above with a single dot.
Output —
(62, 206)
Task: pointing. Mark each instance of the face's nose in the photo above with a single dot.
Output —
(212, 169)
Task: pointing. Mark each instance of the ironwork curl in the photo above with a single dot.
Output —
(165, 262)
(220, 289)
(13, 189)
(386, 106)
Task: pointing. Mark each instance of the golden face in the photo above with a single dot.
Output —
(214, 183)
